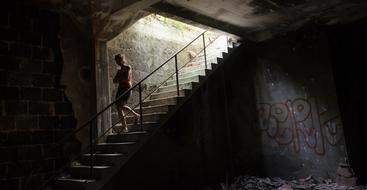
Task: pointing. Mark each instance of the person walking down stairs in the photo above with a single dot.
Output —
(123, 78)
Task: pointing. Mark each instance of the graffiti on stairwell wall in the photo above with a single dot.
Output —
(300, 122)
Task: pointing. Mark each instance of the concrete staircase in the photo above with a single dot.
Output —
(112, 154)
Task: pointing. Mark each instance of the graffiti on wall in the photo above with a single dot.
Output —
(300, 122)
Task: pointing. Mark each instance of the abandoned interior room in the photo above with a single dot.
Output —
(183, 94)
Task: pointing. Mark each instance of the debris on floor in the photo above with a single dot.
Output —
(309, 183)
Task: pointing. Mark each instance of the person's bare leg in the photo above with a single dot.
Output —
(136, 115)
(128, 110)
(121, 115)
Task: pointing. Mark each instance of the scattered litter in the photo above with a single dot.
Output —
(308, 183)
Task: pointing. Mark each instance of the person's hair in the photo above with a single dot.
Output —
(121, 56)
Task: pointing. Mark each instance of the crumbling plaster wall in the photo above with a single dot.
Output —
(78, 77)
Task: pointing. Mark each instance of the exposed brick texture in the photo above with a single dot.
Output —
(26, 122)
(43, 80)
(49, 122)
(62, 108)
(7, 123)
(34, 111)
(31, 93)
(40, 108)
(52, 95)
(3, 77)
(16, 107)
(9, 93)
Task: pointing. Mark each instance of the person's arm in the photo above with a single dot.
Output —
(116, 79)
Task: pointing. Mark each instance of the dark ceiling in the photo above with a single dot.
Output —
(252, 19)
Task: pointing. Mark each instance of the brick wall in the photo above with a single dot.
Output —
(34, 111)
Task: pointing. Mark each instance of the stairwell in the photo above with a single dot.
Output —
(113, 153)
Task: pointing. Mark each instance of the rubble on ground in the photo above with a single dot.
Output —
(309, 183)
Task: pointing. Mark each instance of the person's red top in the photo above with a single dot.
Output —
(124, 77)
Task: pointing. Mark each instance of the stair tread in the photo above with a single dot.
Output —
(130, 133)
(186, 83)
(196, 72)
(197, 65)
(77, 180)
(165, 98)
(183, 78)
(105, 154)
(86, 166)
(166, 92)
(156, 106)
(117, 143)
(132, 124)
(149, 114)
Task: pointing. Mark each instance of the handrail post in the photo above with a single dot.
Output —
(227, 43)
(206, 65)
(140, 107)
(177, 83)
(91, 149)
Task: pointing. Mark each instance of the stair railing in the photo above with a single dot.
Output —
(89, 124)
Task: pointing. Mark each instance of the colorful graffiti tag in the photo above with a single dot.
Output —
(300, 122)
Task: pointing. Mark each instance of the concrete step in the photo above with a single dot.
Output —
(121, 147)
(210, 52)
(154, 109)
(162, 101)
(194, 66)
(201, 72)
(74, 184)
(225, 55)
(83, 171)
(186, 86)
(102, 159)
(161, 95)
(130, 136)
(211, 59)
(147, 126)
(194, 78)
(149, 117)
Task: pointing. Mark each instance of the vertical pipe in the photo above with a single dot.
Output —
(91, 149)
(140, 107)
(177, 83)
(206, 65)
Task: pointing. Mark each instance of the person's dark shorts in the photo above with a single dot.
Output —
(125, 97)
